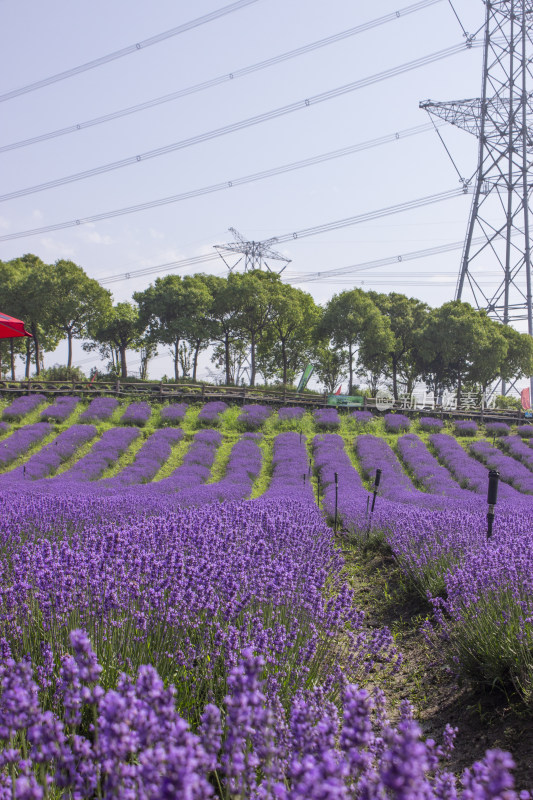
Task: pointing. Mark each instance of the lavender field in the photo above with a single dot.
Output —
(176, 618)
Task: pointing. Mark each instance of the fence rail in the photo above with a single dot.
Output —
(240, 394)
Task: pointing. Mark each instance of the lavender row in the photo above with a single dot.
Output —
(136, 414)
(511, 471)
(210, 414)
(173, 414)
(99, 410)
(4, 427)
(244, 465)
(327, 418)
(516, 447)
(148, 461)
(468, 472)
(426, 469)
(61, 409)
(253, 416)
(20, 441)
(196, 466)
(22, 406)
(51, 456)
(291, 474)
(102, 455)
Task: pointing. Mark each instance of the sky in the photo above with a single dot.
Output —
(44, 39)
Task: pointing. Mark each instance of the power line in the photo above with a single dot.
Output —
(301, 234)
(126, 51)
(236, 126)
(229, 184)
(239, 73)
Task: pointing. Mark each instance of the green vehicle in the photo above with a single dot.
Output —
(345, 401)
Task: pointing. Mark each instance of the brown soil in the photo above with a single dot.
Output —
(486, 719)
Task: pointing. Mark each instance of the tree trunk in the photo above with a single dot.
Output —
(394, 377)
(252, 360)
(350, 368)
(69, 338)
(459, 390)
(284, 358)
(28, 357)
(37, 348)
(195, 360)
(123, 365)
(176, 360)
(12, 357)
(227, 359)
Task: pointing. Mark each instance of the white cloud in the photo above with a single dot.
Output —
(93, 237)
(4, 224)
(156, 234)
(37, 215)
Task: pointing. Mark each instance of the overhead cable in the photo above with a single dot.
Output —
(300, 234)
(216, 187)
(126, 51)
(236, 126)
(239, 73)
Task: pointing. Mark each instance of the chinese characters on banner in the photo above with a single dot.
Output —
(469, 401)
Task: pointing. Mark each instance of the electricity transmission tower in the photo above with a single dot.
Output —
(254, 253)
(498, 236)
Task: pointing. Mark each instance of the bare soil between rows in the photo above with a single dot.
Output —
(486, 718)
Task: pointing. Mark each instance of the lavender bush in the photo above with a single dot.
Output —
(525, 431)
(61, 409)
(327, 418)
(137, 414)
(148, 461)
(511, 471)
(100, 409)
(497, 428)
(362, 417)
(103, 455)
(22, 406)
(196, 466)
(4, 427)
(20, 441)
(465, 427)
(173, 414)
(426, 469)
(395, 423)
(252, 417)
(291, 472)
(431, 424)
(211, 413)
(290, 414)
(518, 449)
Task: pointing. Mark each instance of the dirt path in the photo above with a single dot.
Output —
(486, 720)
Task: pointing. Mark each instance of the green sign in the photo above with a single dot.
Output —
(304, 380)
(344, 400)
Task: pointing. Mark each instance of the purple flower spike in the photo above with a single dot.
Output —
(100, 409)
(363, 417)
(211, 413)
(465, 427)
(431, 424)
(252, 417)
(327, 419)
(173, 414)
(61, 409)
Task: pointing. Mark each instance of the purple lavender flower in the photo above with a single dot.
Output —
(210, 414)
(252, 417)
(395, 423)
(465, 427)
(431, 424)
(525, 431)
(136, 414)
(100, 409)
(173, 414)
(4, 427)
(290, 414)
(497, 428)
(149, 460)
(49, 458)
(22, 406)
(327, 418)
(21, 440)
(362, 417)
(104, 453)
(61, 409)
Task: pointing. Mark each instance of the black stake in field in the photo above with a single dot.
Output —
(492, 496)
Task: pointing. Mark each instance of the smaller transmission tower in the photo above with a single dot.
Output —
(254, 253)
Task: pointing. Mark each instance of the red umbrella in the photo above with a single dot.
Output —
(11, 327)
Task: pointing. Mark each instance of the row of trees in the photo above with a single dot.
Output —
(253, 324)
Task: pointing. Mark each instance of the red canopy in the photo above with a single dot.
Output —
(11, 327)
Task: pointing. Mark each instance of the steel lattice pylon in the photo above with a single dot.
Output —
(498, 235)
(254, 253)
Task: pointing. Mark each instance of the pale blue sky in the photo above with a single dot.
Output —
(41, 39)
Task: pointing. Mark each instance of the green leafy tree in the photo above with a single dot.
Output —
(172, 309)
(119, 329)
(406, 317)
(75, 300)
(331, 365)
(254, 295)
(222, 322)
(10, 348)
(518, 361)
(352, 320)
(287, 340)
